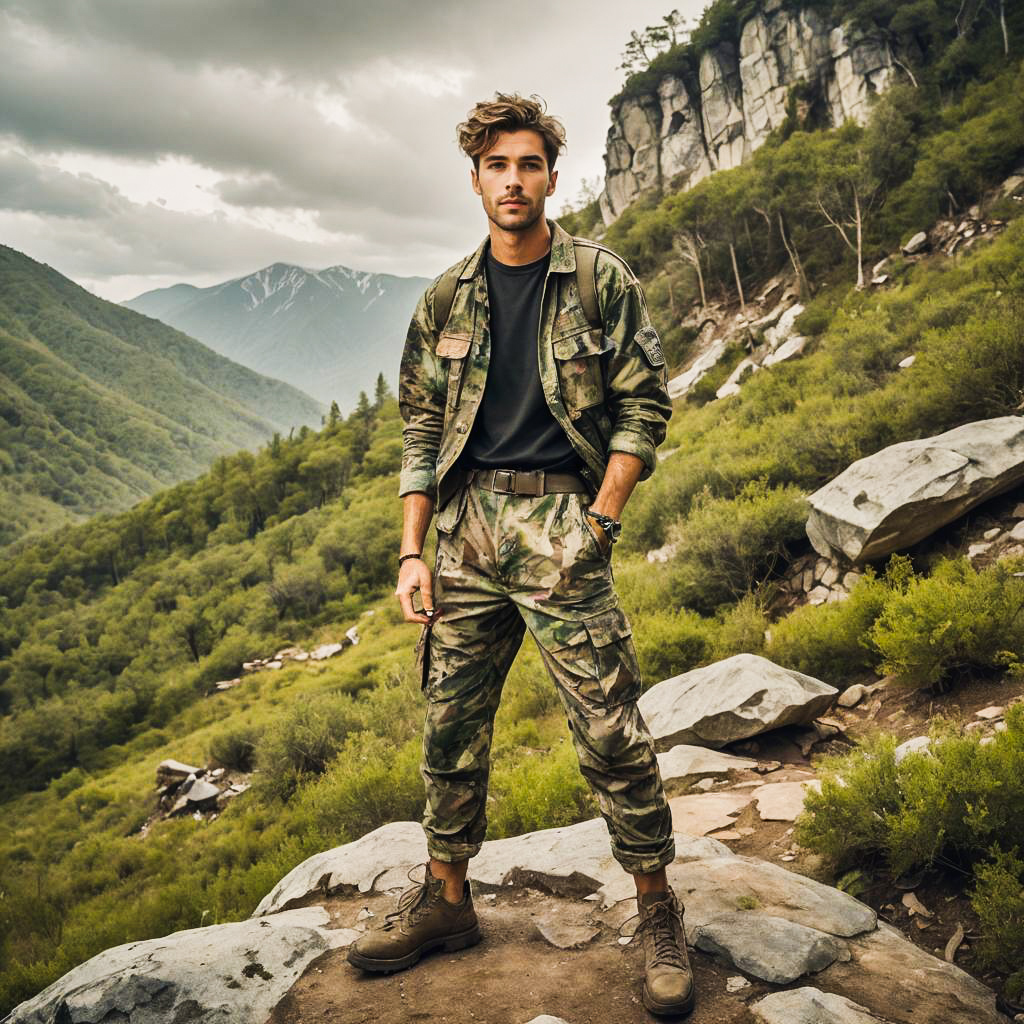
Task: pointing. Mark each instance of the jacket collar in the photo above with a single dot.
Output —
(563, 254)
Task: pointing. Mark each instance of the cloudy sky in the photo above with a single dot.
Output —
(145, 142)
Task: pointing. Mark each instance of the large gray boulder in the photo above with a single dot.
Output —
(712, 886)
(227, 972)
(898, 496)
(770, 948)
(731, 700)
(359, 866)
(573, 860)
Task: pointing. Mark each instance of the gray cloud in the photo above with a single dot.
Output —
(306, 39)
(239, 87)
(27, 186)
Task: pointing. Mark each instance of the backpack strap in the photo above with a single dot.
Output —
(586, 280)
(586, 284)
(444, 296)
(586, 276)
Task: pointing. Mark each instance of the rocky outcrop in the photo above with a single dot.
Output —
(730, 700)
(755, 916)
(228, 972)
(736, 95)
(891, 500)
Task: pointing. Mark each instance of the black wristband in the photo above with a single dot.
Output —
(402, 558)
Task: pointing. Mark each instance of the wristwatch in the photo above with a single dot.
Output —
(612, 527)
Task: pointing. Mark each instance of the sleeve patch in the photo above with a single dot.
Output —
(650, 345)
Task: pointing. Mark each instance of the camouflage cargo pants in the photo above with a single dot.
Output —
(513, 563)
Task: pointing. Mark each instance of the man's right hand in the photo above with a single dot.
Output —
(414, 575)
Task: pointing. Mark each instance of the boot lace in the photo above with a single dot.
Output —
(659, 920)
(413, 904)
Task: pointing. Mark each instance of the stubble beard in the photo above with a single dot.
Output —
(523, 225)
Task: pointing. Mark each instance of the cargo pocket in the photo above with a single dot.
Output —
(423, 655)
(454, 348)
(580, 370)
(448, 516)
(618, 672)
(603, 551)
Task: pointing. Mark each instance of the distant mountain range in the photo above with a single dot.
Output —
(100, 406)
(329, 332)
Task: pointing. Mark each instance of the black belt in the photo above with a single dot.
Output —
(532, 482)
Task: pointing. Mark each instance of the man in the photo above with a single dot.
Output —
(526, 429)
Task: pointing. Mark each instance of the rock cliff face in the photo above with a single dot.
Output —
(683, 131)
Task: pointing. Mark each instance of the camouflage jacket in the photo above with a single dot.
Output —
(606, 388)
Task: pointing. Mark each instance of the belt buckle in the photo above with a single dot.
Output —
(510, 475)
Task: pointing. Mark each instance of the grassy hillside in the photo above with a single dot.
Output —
(100, 406)
(113, 631)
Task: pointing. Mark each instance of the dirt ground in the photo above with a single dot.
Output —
(512, 976)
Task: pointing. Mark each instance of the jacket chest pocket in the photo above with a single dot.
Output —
(453, 349)
(580, 369)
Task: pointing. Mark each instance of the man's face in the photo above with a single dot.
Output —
(513, 180)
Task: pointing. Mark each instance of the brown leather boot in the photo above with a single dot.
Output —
(668, 982)
(424, 920)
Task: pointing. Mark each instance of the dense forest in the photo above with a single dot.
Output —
(114, 631)
(100, 406)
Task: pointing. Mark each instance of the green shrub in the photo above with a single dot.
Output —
(998, 900)
(955, 620)
(671, 642)
(726, 546)
(534, 792)
(950, 804)
(235, 747)
(741, 629)
(303, 742)
(369, 783)
(225, 660)
(830, 641)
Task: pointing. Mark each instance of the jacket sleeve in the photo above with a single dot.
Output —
(637, 380)
(421, 401)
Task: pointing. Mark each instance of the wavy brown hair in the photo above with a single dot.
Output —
(510, 113)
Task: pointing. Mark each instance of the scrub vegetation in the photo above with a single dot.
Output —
(113, 632)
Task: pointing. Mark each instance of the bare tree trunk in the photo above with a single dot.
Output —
(794, 258)
(688, 249)
(1002, 25)
(900, 64)
(736, 273)
(860, 242)
(956, 20)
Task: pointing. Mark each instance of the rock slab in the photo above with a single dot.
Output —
(714, 886)
(900, 981)
(810, 1006)
(891, 500)
(227, 972)
(770, 948)
(359, 866)
(782, 801)
(742, 696)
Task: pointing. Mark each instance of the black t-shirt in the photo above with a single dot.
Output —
(514, 428)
